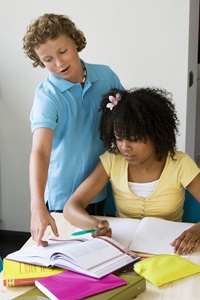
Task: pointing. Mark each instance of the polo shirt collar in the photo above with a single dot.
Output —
(64, 85)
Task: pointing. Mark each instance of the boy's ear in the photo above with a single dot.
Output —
(74, 39)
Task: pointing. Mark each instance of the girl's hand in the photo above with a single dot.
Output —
(106, 230)
(188, 241)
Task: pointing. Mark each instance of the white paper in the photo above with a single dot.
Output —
(154, 235)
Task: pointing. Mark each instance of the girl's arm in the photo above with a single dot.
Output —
(38, 172)
(74, 210)
(189, 240)
(194, 187)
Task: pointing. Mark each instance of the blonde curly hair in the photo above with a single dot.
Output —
(47, 27)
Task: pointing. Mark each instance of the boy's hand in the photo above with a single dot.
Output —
(39, 222)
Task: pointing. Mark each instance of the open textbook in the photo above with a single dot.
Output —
(95, 257)
(148, 235)
(154, 235)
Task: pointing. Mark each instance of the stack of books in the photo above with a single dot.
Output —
(134, 285)
(77, 267)
(95, 259)
(18, 273)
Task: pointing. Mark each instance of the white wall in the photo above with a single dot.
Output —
(146, 42)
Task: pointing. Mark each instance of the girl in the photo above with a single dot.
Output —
(148, 175)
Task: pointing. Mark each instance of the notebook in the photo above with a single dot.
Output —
(70, 285)
(135, 286)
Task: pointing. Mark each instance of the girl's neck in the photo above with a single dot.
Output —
(146, 173)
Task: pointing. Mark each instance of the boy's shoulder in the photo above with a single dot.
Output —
(52, 82)
(104, 73)
(97, 67)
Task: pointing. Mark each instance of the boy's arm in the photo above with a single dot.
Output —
(39, 164)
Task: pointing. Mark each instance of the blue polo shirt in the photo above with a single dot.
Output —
(72, 113)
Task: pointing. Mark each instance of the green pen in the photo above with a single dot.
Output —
(86, 231)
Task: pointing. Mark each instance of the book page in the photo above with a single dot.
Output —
(154, 235)
(40, 255)
(122, 229)
(92, 253)
(96, 257)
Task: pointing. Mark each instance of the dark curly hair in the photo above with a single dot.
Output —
(143, 113)
(47, 27)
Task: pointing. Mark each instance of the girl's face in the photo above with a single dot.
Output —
(60, 57)
(136, 152)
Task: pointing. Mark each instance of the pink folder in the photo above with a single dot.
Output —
(70, 285)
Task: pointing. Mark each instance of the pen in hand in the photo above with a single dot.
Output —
(86, 231)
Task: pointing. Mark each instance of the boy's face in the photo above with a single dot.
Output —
(60, 57)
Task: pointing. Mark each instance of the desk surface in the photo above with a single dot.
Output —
(184, 289)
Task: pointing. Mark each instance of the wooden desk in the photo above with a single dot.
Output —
(183, 289)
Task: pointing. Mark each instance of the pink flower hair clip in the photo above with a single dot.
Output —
(114, 100)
